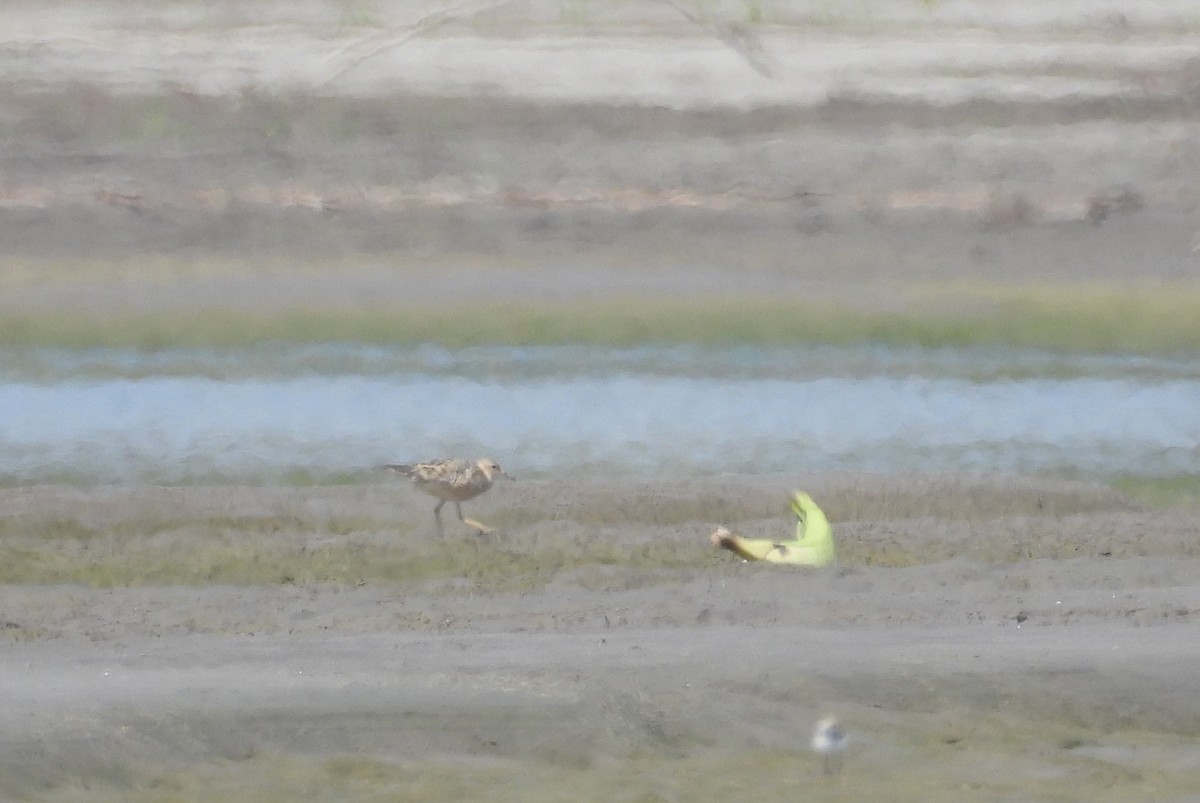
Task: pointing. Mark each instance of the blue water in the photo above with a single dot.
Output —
(270, 414)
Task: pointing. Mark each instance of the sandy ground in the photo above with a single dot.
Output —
(1043, 651)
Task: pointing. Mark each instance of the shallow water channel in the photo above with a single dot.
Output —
(281, 413)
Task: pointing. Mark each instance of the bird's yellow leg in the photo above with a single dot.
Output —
(472, 523)
(475, 525)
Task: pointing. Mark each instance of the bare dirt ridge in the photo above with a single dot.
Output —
(628, 136)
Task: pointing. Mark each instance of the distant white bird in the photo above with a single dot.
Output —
(453, 480)
(830, 741)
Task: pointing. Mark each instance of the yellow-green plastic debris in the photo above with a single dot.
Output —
(813, 545)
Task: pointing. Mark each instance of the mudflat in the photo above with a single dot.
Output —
(982, 636)
(323, 157)
(1012, 637)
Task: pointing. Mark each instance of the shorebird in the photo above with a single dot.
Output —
(829, 740)
(813, 545)
(453, 480)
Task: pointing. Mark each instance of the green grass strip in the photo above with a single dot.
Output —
(1153, 319)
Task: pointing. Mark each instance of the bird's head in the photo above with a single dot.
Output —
(490, 468)
(828, 735)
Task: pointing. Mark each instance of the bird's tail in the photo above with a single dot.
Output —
(400, 468)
